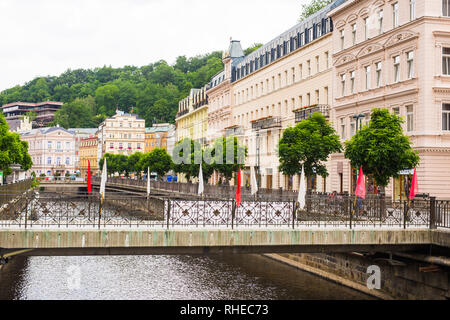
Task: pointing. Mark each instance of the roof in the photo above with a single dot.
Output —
(159, 129)
(300, 27)
(45, 131)
(31, 104)
(83, 130)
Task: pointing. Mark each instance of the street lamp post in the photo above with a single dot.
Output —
(357, 117)
(258, 175)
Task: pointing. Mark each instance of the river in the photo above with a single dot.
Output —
(226, 277)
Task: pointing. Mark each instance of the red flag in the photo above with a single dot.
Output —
(414, 187)
(238, 189)
(361, 185)
(89, 188)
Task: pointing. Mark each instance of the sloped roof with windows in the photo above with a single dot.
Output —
(289, 39)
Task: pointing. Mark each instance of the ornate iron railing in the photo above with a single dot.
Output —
(304, 113)
(40, 209)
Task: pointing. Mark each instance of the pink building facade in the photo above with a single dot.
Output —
(394, 55)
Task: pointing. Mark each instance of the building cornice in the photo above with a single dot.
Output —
(375, 99)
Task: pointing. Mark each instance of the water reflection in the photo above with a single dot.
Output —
(245, 277)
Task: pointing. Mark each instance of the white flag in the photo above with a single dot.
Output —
(200, 181)
(148, 181)
(103, 182)
(302, 190)
(253, 180)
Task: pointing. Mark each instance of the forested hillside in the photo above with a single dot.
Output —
(152, 91)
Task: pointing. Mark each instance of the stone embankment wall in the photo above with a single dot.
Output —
(409, 279)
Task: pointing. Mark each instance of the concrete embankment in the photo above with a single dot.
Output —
(401, 278)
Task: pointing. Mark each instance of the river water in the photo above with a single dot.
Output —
(231, 277)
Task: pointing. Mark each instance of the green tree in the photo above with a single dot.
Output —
(12, 149)
(158, 161)
(222, 159)
(252, 48)
(133, 163)
(381, 147)
(184, 157)
(76, 114)
(106, 98)
(309, 143)
(312, 7)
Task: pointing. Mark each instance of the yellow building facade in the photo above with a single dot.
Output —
(192, 117)
(88, 152)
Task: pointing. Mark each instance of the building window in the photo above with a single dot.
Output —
(309, 67)
(352, 127)
(354, 33)
(446, 117)
(446, 61)
(446, 8)
(342, 84)
(409, 118)
(367, 77)
(366, 28)
(317, 64)
(395, 15)
(396, 68)
(412, 9)
(49, 144)
(301, 71)
(327, 58)
(410, 61)
(343, 128)
(67, 145)
(310, 34)
(58, 161)
(379, 66)
(293, 75)
(396, 110)
(380, 21)
(319, 30)
(352, 82)
(49, 160)
(58, 145)
(342, 39)
(67, 161)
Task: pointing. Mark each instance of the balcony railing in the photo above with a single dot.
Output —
(201, 104)
(182, 113)
(305, 112)
(266, 123)
(234, 131)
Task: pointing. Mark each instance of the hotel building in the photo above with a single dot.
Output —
(279, 85)
(124, 133)
(396, 55)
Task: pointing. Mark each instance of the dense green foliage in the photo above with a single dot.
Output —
(190, 155)
(309, 143)
(12, 149)
(312, 7)
(151, 91)
(381, 147)
(158, 161)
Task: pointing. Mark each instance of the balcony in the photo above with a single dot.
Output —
(304, 113)
(234, 131)
(182, 113)
(266, 123)
(201, 104)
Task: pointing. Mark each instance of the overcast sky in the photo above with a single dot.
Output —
(46, 37)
